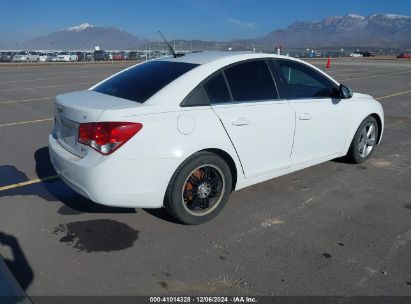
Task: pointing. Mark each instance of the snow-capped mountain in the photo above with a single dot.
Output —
(379, 30)
(352, 30)
(85, 36)
(80, 27)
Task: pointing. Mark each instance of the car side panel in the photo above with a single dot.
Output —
(262, 133)
(173, 136)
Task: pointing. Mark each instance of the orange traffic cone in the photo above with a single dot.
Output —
(328, 63)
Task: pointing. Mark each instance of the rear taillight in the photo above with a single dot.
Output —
(106, 137)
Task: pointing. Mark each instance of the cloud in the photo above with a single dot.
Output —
(240, 23)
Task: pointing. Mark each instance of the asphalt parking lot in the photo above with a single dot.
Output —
(332, 229)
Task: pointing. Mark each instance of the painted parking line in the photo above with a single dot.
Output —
(29, 182)
(393, 95)
(376, 76)
(47, 87)
(360, 73)
(25, 122)
(24, 100)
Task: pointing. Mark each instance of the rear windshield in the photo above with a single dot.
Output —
(143, 81)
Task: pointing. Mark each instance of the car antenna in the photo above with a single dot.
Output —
(175, 55)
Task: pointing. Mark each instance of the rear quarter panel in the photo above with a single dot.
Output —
(164, 136)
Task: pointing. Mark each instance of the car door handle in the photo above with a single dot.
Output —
(306, 116)
(242, 121)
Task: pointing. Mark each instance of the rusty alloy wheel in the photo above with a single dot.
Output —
(203, 190)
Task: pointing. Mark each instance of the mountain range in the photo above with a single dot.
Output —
(380, 30)
(352, 30)
(84, 36)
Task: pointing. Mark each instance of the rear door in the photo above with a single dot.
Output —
(259, 123)
(322, 118)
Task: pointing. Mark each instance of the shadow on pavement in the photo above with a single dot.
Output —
(19, 265)
(51, 190)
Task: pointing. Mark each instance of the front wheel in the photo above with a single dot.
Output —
(364, 141)
(199, 189)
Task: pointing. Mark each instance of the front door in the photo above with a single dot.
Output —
(322, 119)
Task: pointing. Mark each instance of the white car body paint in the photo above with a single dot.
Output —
(264, 139)
(71, 56)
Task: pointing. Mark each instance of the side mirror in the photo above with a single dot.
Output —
(345, 92)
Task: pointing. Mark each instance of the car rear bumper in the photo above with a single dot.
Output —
(112, 180)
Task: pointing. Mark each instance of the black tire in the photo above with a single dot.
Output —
(354, 154)
(189, 211)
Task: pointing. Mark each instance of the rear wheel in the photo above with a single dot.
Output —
(364, 141)
(199, 189)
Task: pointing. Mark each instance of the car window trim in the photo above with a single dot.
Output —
(273, 78)
(249, 102)
(228, 87)
(281, 87)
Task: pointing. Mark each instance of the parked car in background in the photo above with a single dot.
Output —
(31, 56)
(89, 56)
(367, 54)
(51, 57)
(222, 121)
(81, 56)
(125, 55)
(110, 55)
(404, 56)
(67, 56)
(7, 56)
(21, 56)
(100, 55)
(356, 55)
(132, 55)
(42, 57)
(118, 56)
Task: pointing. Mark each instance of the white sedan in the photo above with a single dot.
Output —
(31, 56)
(356, 55)
(67, 56)
(185, 132)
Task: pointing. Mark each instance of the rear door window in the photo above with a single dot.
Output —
(217, 90)
(251, 81)
(142, 81)
(196, 98)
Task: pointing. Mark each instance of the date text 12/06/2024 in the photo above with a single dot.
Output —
(199, 299)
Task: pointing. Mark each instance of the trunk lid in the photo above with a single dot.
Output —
(71, 109)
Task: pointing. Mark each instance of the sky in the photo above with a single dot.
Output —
(185, 19)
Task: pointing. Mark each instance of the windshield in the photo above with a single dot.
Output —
(64, 53)
(142, 81)
(50, 54)
(22, 53)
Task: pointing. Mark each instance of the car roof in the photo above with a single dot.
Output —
(209, 56)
